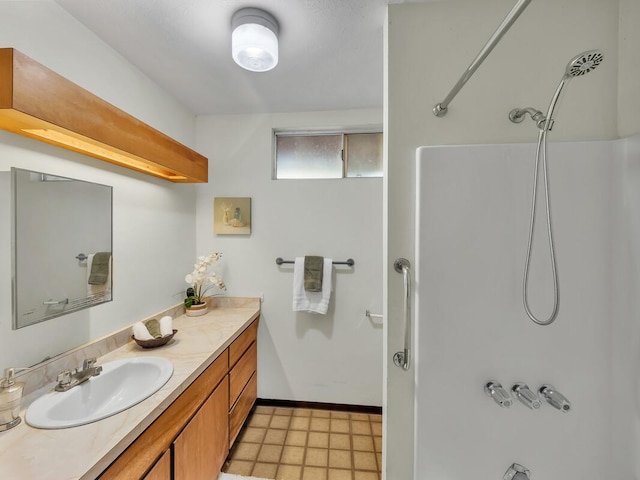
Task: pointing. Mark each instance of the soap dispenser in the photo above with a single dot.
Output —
(10, 400)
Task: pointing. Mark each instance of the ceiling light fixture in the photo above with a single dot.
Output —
(254, 41)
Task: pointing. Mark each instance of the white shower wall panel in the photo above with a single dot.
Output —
(473, 210)
(625, 307)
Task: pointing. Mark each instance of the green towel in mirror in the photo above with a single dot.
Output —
(99, 268)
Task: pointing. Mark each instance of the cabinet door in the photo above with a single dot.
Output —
(162, 469)
(201, 448)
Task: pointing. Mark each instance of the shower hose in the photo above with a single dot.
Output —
(541, 153)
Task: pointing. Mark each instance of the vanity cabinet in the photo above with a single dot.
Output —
(190, 440)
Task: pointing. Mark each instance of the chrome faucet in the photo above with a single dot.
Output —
(68, 379)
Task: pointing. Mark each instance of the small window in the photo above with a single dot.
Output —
(328, 155)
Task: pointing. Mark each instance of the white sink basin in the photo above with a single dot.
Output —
(121, 385)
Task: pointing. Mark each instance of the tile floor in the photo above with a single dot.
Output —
(306, 444)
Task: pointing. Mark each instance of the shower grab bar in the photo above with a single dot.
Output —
(440, 109)
(402, 359)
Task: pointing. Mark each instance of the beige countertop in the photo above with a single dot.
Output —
(84, 452)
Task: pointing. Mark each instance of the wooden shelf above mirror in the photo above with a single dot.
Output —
(38, 103)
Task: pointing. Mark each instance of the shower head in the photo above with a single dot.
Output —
(584, 63)
(578, 66)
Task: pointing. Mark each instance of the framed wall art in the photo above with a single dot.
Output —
(232, 215)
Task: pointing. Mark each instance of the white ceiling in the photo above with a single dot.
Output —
(331, 51)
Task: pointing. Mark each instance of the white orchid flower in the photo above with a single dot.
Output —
(201, 279)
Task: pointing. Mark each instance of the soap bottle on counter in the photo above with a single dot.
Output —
(10, 400)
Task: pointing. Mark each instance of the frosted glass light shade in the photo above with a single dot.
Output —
(254, 41)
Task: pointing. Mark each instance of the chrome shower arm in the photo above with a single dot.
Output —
(517, 115)
(441, 108)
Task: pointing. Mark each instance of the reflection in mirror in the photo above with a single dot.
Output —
(61, 239)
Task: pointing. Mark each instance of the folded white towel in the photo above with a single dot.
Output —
(166, 325)
(140, 331)
(315, 302)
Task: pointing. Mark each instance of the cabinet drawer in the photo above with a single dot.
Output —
(241, 409)
(216, 371)
(242, 372)
(240, 344)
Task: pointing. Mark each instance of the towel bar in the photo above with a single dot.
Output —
(350, 262)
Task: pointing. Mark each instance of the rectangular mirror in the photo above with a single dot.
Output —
(62, 245)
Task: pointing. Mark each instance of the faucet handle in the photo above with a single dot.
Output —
(494, 390)
(64, 378)
(88, 363)
(555, 398)
(523, 393)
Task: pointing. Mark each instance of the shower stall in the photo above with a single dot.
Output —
(471, 329)
(523, 344)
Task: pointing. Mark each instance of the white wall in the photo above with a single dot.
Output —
(428, 48)
(153, 220)
(629, 62)
(334, 358)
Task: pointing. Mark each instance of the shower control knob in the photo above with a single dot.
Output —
(555, 398)
(500, 395)
(528, 398)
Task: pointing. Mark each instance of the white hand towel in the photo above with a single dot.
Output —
(166, 325)
(315, 302)
(140, 331)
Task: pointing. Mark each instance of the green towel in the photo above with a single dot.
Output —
(153, 326)
(99, 268)
(313, 267)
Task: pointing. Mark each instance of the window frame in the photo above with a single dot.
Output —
(343, 132)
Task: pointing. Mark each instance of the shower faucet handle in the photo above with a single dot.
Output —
(494, 390)
(528, 398)
(555, 398)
